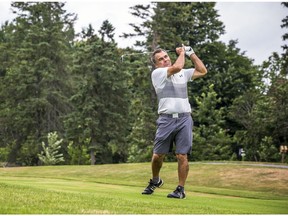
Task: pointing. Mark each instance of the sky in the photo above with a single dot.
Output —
(255, 25)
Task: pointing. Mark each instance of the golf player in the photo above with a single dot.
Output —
(174, 124)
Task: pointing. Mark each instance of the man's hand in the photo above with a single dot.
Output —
(189, 51)
(179, 63)
(181, 49)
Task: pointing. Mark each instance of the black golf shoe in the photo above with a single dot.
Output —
(152, 186)
(179, 193)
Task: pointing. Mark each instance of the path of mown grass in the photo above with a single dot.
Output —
(116, 189)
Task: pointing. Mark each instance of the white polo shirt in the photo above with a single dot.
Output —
(172, 91)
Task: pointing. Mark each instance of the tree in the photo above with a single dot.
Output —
(143, 107)
(211, 141)
(161, 28)
(143, 115)
(284, 67)
(50, 154)
(250, 111)
(100, 97)
(107, 30)
(35, 73)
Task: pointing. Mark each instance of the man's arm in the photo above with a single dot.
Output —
(200, 69)
(179, 63)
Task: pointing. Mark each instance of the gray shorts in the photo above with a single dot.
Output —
(173, 130)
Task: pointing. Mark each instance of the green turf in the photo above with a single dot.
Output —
(116, 189)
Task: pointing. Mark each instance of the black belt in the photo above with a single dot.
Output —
(176, 115)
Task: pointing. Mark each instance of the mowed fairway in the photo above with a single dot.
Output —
(228, 188)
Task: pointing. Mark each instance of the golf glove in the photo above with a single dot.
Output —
(189, 51)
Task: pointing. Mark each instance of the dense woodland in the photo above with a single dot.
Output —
(77, 98)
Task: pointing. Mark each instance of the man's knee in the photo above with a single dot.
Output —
(182, 157)
(158, 157)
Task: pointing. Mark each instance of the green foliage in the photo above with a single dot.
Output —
(161, 27)
(100, 97)
(35, 85)
(50, 154)
(142, 109)
(28, 154)
(268, 151)
(54, 80)
(141, 138)
(3, 154)
(211, 141)
(79, 154)
(284, 62)
(250, 112)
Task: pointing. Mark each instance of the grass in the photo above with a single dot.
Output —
(116, 189)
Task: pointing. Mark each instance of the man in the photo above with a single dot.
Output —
(174, 124)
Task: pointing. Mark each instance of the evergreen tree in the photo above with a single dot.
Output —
(211, 141)
(50, 154)
(166, 24)
(100, 97)
(35, 87)
(284, 67)
(143, 109)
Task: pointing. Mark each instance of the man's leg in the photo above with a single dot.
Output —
(157, 161)
(183, 142)
(183, 168)
(156, 164)
(162, 142)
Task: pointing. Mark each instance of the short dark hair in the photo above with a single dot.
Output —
(154, 53)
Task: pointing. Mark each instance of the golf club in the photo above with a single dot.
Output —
(138, 53)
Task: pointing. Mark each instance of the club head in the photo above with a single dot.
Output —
(122, 58)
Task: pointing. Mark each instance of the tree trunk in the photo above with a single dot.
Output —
(92, 156)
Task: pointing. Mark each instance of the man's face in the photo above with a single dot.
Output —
(162, 60)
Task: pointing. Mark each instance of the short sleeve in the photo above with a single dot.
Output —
(188, 74)
(159, 78)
